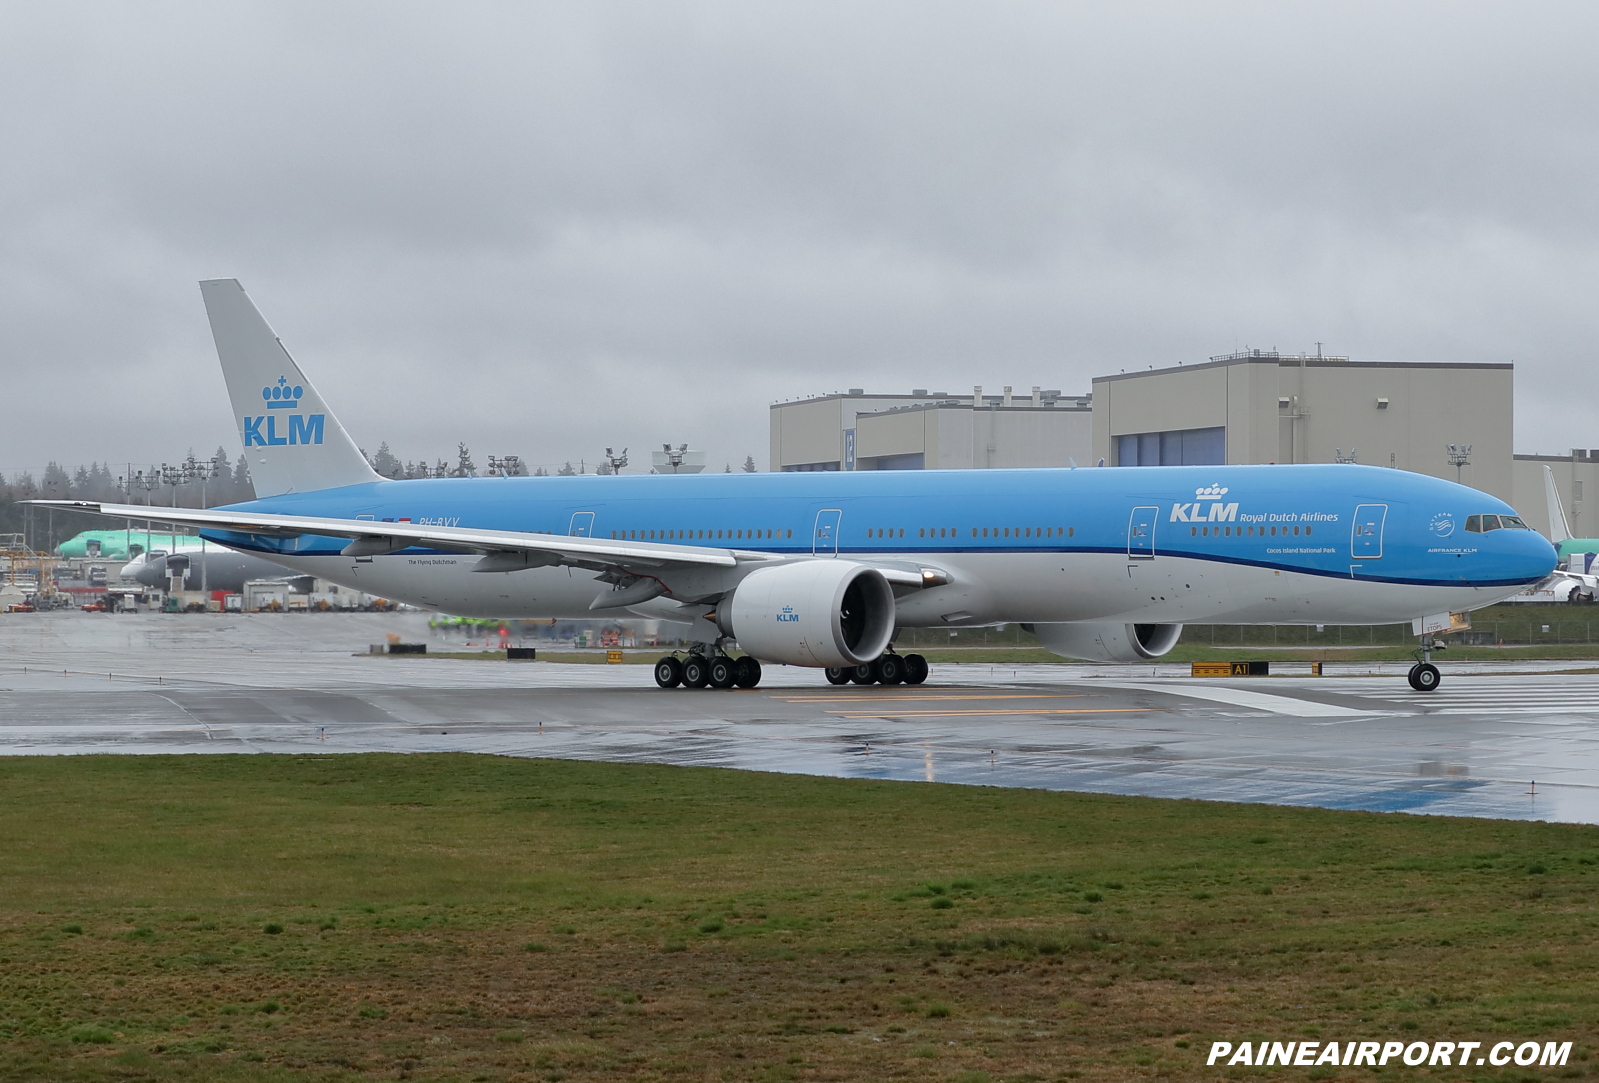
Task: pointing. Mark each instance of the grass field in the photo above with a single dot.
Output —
(476, 918)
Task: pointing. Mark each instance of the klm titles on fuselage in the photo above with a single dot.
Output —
(1218, 512)
(303, 428)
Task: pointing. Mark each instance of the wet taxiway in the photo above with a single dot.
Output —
(1358, 738)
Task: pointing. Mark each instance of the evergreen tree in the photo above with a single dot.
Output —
(749, 464)
(386, 464)
(567, 471)
(464, 467)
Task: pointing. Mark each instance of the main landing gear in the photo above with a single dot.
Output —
(1424, 676)
(889, 669)
(695, 670)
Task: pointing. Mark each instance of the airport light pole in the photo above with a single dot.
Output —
(1459, 458)
(1340, 457)
(675, 456)
(616, 461)
(505, 466)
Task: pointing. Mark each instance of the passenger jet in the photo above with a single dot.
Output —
(826, 569)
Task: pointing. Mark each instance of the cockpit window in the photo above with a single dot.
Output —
(1481, 524)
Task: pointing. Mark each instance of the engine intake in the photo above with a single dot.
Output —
(811, 613)
(1107, 642)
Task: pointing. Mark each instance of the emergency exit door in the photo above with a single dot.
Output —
(582, 524)
(1141, 534)
(1366, 543)
(825, 541)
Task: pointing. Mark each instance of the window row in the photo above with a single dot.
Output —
(697, 535)
(1239, 531)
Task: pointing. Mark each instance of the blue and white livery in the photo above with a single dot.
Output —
(823, 569)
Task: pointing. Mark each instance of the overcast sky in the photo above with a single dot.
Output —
(544, 229)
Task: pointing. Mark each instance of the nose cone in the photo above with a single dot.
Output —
(1532, 556)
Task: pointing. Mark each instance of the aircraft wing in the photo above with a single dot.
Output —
(503, 550)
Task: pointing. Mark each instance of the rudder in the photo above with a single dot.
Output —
(293, 442)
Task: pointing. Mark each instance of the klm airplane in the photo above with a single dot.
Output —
(826, 569)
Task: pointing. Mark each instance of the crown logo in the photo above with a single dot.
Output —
(1212, 490)
(280, 396)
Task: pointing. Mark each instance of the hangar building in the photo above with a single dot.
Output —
(1255, 406)
(936, 431)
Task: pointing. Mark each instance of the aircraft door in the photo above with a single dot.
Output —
(825, 541)
(1366, 542)
(1141, 534)
(582, 525)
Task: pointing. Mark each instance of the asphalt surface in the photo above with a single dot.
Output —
(1357, 738)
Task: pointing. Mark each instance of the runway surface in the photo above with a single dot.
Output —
(1359, 738)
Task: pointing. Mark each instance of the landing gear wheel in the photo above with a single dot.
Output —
(668, 672)
(890, 669)
(1424, 676)
(838, 675)
(915, 669)
(722, 672)
(695, 672)
(866, 673)
(747, 672)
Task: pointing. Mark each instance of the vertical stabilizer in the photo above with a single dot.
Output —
(293, 442)
(1558, 530)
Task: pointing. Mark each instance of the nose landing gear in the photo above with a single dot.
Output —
(1424, 676)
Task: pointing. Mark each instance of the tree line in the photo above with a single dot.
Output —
(207, 483)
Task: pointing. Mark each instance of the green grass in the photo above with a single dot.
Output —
(477, 918)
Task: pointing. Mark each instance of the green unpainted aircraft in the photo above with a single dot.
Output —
(1574, 572)
(122, 544)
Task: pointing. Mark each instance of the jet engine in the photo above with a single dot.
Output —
(811, 613)
(1107, 642)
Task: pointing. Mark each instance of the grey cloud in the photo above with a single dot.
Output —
(548, 229)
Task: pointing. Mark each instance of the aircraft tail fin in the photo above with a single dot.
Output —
(293, 442)
(1558, 530)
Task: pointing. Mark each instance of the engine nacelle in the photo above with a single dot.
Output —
(1107, 642)
(811, 613)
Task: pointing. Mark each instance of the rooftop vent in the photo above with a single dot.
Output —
(920, 392)
(857, 391)
(1382, 404)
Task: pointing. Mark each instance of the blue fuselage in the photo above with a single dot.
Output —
(1355, 543)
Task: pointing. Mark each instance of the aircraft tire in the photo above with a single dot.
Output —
(915, 669)
(696, 672)
(669, 672)
(890, 669)
(866, 673)
(837, 674)
(1425, 677)
(722, 672)
(747, 672)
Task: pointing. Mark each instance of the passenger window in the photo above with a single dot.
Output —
(1071, 532)
(1307, 532)
(1193, 532)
